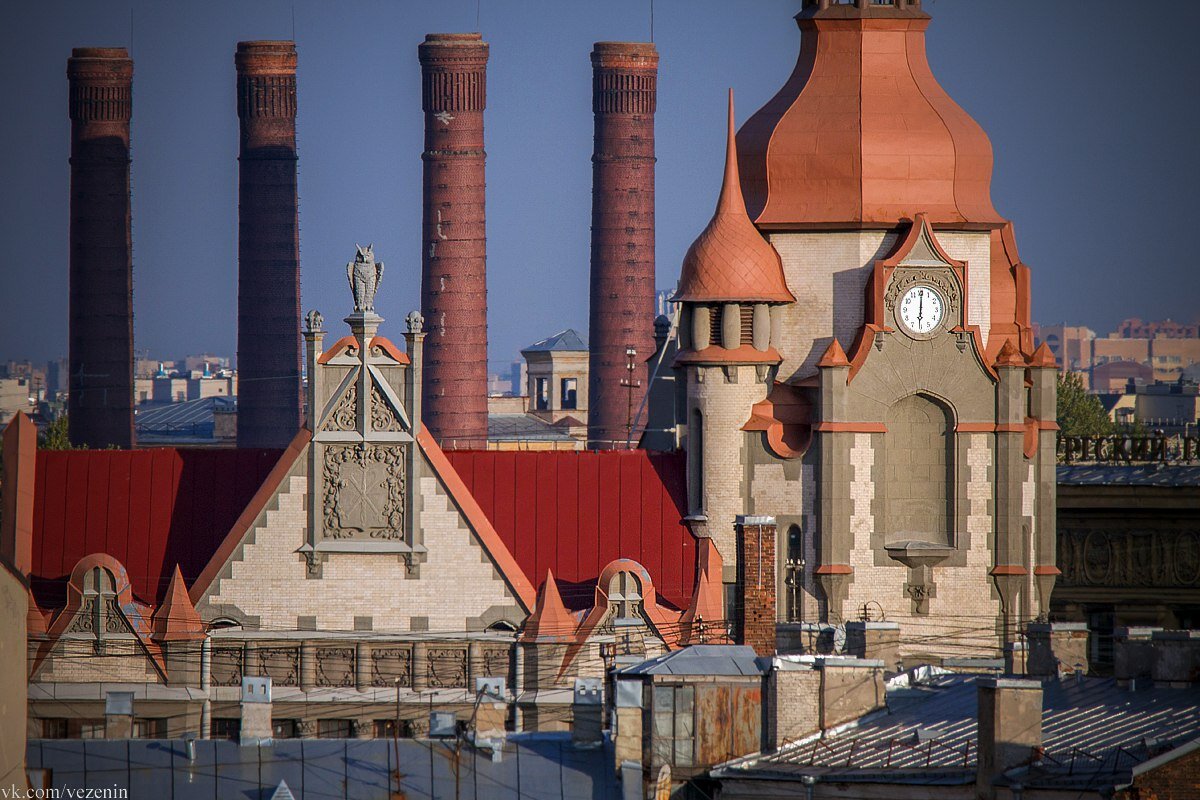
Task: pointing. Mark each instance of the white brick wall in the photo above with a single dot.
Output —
(827, 272)
(455, 584)
(975, 248)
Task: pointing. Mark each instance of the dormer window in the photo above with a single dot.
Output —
(625, 598)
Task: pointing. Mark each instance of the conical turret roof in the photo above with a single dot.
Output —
(730, 261)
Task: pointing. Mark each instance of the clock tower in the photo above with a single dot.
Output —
(896, 421)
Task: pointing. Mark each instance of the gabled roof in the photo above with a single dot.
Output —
(575, 512)
(149, 509)
(568, 340)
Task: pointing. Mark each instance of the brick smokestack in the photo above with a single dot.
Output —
(100, 405)
(624, 95)
(756, 580)
(269, 403)
(454, 244)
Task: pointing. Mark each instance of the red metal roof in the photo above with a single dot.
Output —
(574, 512)
(149, 509)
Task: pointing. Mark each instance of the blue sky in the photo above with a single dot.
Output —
(1091, 109)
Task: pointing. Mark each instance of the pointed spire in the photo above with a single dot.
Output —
(176, 618)
(550, 620)
(731, 200)
(1009, 356)
(834, 356)
(704, 620)
(730, 261)
(1043, 358)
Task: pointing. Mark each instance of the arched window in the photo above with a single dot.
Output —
(793, 575)
(625, 596)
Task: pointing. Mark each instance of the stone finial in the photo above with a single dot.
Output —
(416, 323)
(313, 321)
(364, 274)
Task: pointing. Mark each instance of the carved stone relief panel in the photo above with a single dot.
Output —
(389, 664)
(1096, 557)
(383, 417)
(363, 492)
(227, 665)
(344, 416)
(493, 662)
(335, 666)
(447, 667)
(280, 664)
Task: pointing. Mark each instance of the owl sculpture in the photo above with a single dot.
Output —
(365, 274)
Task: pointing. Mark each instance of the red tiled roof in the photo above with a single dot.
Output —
(149, 509)
(574, 512)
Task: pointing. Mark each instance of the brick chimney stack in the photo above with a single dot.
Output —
(269, 403)
(454, 243)
(100, 406)
(756, 582)
(624, 95)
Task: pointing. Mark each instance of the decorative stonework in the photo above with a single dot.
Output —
(364, 491)
(492, 661)
(226, 667)
(335, 666)
(1127, 558)
(364, 274)
(383, 417)
(344, 416)
(391, 664)
(280, 664)
(447, 667)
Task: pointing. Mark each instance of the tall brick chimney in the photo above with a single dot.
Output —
(100, 404)
(454, 244)
(756, 583)
(269, 403)
(624, 95)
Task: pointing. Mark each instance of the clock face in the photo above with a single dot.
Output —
(921, 309)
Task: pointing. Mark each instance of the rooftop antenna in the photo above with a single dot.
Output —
(293, 22)
(478, 4)
(131, 31)
(651, 21)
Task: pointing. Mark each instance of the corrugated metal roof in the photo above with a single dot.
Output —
(149, 509)
(563, 340)
(702, 659)
(542, 766)
(1132, 475)
(524, 427)
(574, 512)
(1089, 728)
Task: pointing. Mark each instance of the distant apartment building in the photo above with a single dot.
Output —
(16, 394)
(1166, 348)
(179, 387)
(1173, 408)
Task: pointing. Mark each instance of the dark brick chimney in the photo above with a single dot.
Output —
(756, 583)
(269, 403)
(624, 95)
(454, 244)
(100, 406)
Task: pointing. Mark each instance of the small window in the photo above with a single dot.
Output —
(542, 394)
(747, 323)
(333, 729)
(673, 733)
(568, 391)
(386, 729)
(285, 728)
(226, 728)
(150, 728)
(625, 595)
(91, 729)
(54, 728)
(794, 575)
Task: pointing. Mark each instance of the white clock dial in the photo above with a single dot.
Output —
(921, 309)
